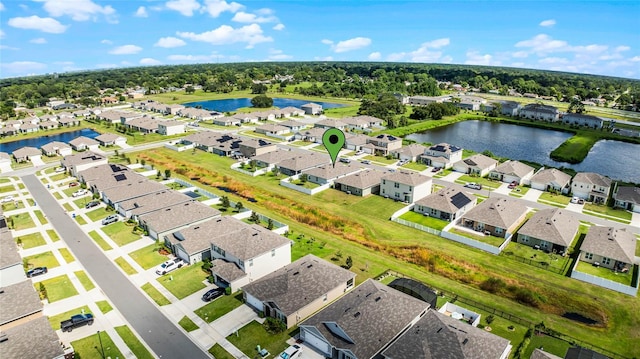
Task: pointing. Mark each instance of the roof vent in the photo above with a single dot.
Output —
(356, 315)
(378, 299)
(296, 273)
(367, 296)
(465, 341)
(198, 227)
(439, 330)
(3, 337)
(310, 265)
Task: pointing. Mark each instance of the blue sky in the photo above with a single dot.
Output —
(44, 36)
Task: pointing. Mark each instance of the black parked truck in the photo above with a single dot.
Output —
(76, 321)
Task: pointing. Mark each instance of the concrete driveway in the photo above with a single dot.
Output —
(235, 319)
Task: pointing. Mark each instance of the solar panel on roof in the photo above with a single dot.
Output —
(460, 200)
(120, 177)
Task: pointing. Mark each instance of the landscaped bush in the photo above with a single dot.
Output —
(274, 326)
(492, 285)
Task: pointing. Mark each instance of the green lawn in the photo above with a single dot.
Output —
(69, 191)
(550, 344)
(219, 352)
(148, 257)
(90, 347)
(575, 148)
(443, 173)
(40, 216)
(606, 273)
(416, 166)
(380, 159)
(253, 334)
(126, 267)
(307, 184)
(68, 207)
(84, 279)
(58, 288)
(9, 188)
(10, 206)
(519, 191)
(59, 176)
(485, 182)
(184, 281)
(155, 294)
(53, 235)
(555, 198)
(219, 307)
(46, 259)
(81, 221)
(619, 213)
(55, 320)
(100, 241)
(188, 324)
(68, 257)
(120, 233)
(21, 221)
(31, 240)
(98, 214)
(138, 349)
(104, 306)
(426, 221)
(491, 240)
(57, 195)
(554, 261)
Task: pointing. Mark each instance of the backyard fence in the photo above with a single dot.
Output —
(416, 226)
(472, 242)
(542, 265)
(605, 283)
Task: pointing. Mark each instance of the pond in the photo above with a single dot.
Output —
(38, 142)
(232, 104)
(610, 158)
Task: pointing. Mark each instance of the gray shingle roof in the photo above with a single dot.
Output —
(443, 200)
(227, 270)
(438, 336)
(21, 341)
(178, 215)
(305, 161)
(82, 140)
(628, 194)
(18, 300)
(363, 179)
(551, 175)
(478, 160)
(514, 168)
(610, 242)
(412, 150)
(198, 237)
(592, 178)
(497, 212)
(8, 250)
(275, 157)
(81, 158)
(154, 201)
(540, 354)
(371, 314)
(328, 172)
(26, 151)
(552, 225)
(133, 189)
(410, 178)
(54, 145)
(298, 284)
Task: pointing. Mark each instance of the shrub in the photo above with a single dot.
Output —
(489, 319)
(492, 285)
(274, 326)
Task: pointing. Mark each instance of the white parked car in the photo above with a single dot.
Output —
(80, 192)
(7, 199)
(168, 266)
(473, 185)
(60, 169)
(291, 352)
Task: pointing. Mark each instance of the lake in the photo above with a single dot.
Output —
(616, 159)
(37, 142)
(232, 104)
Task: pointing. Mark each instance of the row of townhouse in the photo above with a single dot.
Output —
(35, 124)
(57, 148)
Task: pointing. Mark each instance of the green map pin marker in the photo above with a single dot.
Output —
(333, 139)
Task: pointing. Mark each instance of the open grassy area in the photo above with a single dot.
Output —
(81, 221)
(9, 188)
(575, 149)
(550, 344)
(53, 235)
(89, 347)
(58, 288)
(66, 254)
(98, 214)
(184, 281)
(46, 259)
(40, 216)
(21, 221)
(253, 334)
(104, 306)
(148, 257)
(31, 240)
(55, 320)
(59, 176)
(155, 294)
(562, 200)
(126, 267)
(84, 279)
(426, 221)
(306, 184)
(100, 241)
(219, 307)
(552, 261)
(138, 349)
(380, 159)
(187, 324)
(485, 182)
(10, 206)
(219, 352)
(608, 211)
(344, 223)
(416, 166)
(491, 240)
(120, 233)
(606, 273)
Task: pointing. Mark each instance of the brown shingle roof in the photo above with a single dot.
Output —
(514, 168)
(592, 178)
(410, 178)
(552, 225)
(363, 179)
(497, 212)
(617, 244)
(443, 200)
(178, 215)
(551, 175)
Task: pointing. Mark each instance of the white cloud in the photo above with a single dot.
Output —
(520, 54)
(125, 50)
(396, 56)
(147, 61)
(2, 7)
(217, 7)
(279, 27)
(64, 63)
(106, 42)
(547, 23)
(170, 42)
(554, 60)
(5, 47)
(1, 34)
(40, 40)
(193, 58)
(348, 45)
(22, 67)
(278, 55)
(244, 17)
(446, 59)
(327, 42)
(475, 58)
(225, 34)
(425, 52)
(374, 56)
(323, 58)
(141, 12)
(542, 44)
(44, 24)
(78, 10)
(622, 48)
(635, 58)
(185, 7)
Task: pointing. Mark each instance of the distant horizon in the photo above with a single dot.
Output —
(61, 36)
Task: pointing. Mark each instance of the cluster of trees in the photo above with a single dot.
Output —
(385, 107)
(262, 101)
(434, 111)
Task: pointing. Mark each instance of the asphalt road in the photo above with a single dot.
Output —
(163, 336)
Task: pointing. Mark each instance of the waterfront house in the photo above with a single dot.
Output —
(442, 155)
(551, 229)
(535, 111)
(628, 198)
(578, 119)
(591, 186)
(447, 204)
(551, 180)
(512, 171)
(56, 148)
(311, 108)
(478, 165)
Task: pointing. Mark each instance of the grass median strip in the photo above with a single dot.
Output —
(84, 279)
(66, 254)
(91, 346)
(104, 306)
(155, 294)
(126, 267)
(100, 241)
(53, 235)
(219, 307)
(120, 233)
(46, 259)
(148, 257)
(138, 349)
(184, 281)
(219, 352)
(188, 324)
(40, 217)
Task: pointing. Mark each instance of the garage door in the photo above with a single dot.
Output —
(254, 302)
(315, 342)
(180, 253)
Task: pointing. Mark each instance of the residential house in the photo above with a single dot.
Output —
(627, 198)
(151, 202)
(294, 292)
(478, 165)
(301, 162)
(250, 147)
(372, 121)
(243, 117)
(510, 108)
(363, 322)
(403, 99)
(176, 217)
(382, 145)
(361, 184)
(609, 247)
(442, 155)
(535, 111)
(355, 123)
(24, 154)
(121, 192)
(405, 186)
(111, 116)
(551, 229)
(311, 108)
(291, 111)
(331, 123)
(56, 148)
(11, 268)
(5, 159)
(65, 106)
(272, 129)
(470, 103)
(48, 125)
(310, 135)
(498, 217)
(144, 125)
(227, 121)
(273, 158)
(425, 100)
(110, 139)
(355, 142)
(8, 131)
(215, 142)
(82, 143)
(29, 128)
(578, 119)
(294, 126)
(448, 204)
(68, 121)
(100, 177)
(583, 353)
(81, 113)
(199, 114)
(82, 161)
(329, 173)
(268, 115)
(512, 171)
(409, 153)
(13, 123)
(541, 354)
(173, 109)
(439, 336)
(169, 128)
(551, 180)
